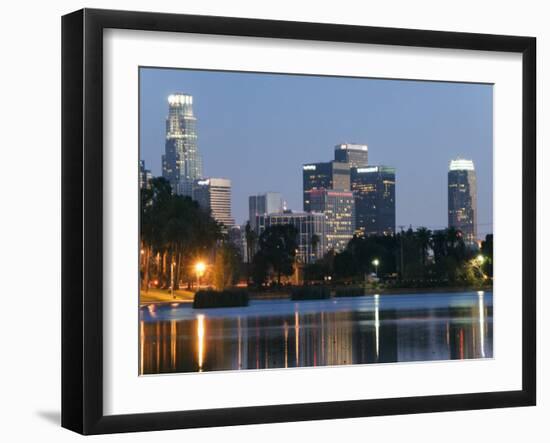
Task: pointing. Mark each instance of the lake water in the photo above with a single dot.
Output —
(339, 331)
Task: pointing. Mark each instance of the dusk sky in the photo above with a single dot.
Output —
(258, 130)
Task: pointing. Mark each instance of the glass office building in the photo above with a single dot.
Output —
(339, 209)
(462, 198)
(181, 162)
(357, 156)
(325, 175)
(374, 190)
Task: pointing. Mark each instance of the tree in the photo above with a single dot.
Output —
(226, 266)
(175, 229)
(251, 239)
(277, 249)
(487, 252)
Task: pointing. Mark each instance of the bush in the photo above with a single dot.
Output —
(310, 293)
(229, 298)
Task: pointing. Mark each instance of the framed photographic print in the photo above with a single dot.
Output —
(269, 221)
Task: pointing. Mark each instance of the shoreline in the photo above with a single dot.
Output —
(162, 297)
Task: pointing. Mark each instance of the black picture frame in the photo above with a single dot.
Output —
(82, 217)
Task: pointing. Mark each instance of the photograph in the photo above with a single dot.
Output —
(292, 221)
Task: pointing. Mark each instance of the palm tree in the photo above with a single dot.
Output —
(251, 239)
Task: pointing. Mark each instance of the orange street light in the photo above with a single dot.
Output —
(200, 267)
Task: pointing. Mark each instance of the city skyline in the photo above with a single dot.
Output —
(423, 204)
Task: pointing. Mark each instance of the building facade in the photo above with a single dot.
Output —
(311, 229)
(357, 156)
(339, 209)
(462, 198)
(181, 162)
(374, 190)
(325, 175)
(145, 175)
(215, 194)
(262, 204)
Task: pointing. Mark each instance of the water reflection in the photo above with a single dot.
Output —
(283, 334)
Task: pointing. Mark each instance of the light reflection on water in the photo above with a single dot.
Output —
(285, 334)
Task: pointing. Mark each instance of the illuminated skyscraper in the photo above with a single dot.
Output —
(326, 175)
(339, 209)
(462, 198)
(357, 156)
(374, 190)
(181, 162)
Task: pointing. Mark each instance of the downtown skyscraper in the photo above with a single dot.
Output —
(214, 194)
(374, 190)
(181, 162)
(324, 175)
(462, 198)
(356, 155)
(338, 206)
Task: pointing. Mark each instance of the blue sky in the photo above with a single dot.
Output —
(258, 129)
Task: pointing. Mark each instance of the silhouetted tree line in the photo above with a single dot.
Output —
(175, 232)
(410, 258)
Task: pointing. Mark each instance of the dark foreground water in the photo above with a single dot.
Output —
(342, 331)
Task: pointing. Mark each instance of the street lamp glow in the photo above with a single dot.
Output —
(376, 262)
(480, 259)
(200, 267)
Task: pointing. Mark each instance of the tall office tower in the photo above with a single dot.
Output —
(181, 162)
(327, 175)
(462, 198)
(357, 156)
(145, 175)
(260, 204)
(311, 229)
(215, 194)
(339, 209)
(374, 189)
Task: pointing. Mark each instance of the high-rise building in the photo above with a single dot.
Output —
(261, 204)
(181, 162)
(339, 209)
(145, 175)
(327, 175)
(215, 194)
(357, 156)
(311, 229)
(374, 190)
(462, 198)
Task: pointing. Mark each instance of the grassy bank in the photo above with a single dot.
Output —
(165, 296)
